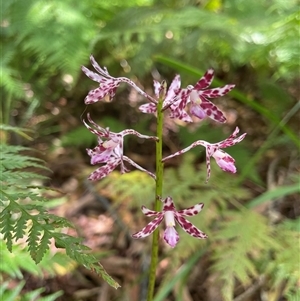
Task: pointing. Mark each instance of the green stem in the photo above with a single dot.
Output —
(158, 203)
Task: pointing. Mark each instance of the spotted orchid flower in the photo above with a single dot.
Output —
(170, 214)
(224, 160)
(198, 96)
(107, 84)
(173, 90)
(110, 150)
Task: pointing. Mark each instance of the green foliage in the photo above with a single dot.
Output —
(134, 188)
(78, 137)
(13, 263)
(246, 246)
(260, 36)
(25, 215)
(285, 266)
(16, 295)
(182, 273)
(241, 236)
(235, 32)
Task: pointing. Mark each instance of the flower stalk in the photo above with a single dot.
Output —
(158, 190)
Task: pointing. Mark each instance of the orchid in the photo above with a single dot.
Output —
(173, 91)
(107, 84)
(110, 151)
(197, 96)
(177, 99)
(181, 103)
(171, 215)
(224, 160)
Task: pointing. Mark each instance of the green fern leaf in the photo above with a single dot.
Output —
(20, 227)
(78, 252)
(34, 240)
(284, 268)
(43, 246)
(6, 227)
(241, 235)
(19, 214)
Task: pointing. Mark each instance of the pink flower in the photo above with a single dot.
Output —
(224, 160)
(110, 150)
(107, 84)
(198, 96)
(173, 90)
(171, 215)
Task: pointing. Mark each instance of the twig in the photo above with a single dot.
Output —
(251, 290)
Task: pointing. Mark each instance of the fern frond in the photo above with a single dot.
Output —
(11, 177)
(7, 227)
(44, 227)
(78, 252)
(43, 245)
(19, 260)
(25, 215)
(33, 241)
(17, 130)
(11, 159)
(15, 294)
(284, 268)
(20, 227)
(10, 82)
(242, 236)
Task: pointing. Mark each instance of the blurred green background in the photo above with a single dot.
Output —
(254, 44)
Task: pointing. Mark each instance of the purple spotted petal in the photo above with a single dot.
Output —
(231, 140)
(211, 110)
(97, 130)
(189, 227)
(197, 111)
(99, 154)
(148, 108)
(206, 80)
(217, 92)
(181, 101)
(191, 210)
(156, 85)
(150, 228)
(174, 89)
(149, 212)
(102, 71)
(104, 170)
(168, 204)
(225, 161)
(92, 75)
(171, 236)
(180, 114)
(109, 88)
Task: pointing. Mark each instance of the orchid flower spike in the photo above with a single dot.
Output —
(224, 160)
(198, 96)
(110, 150)
(107, 84)
(171, 215)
